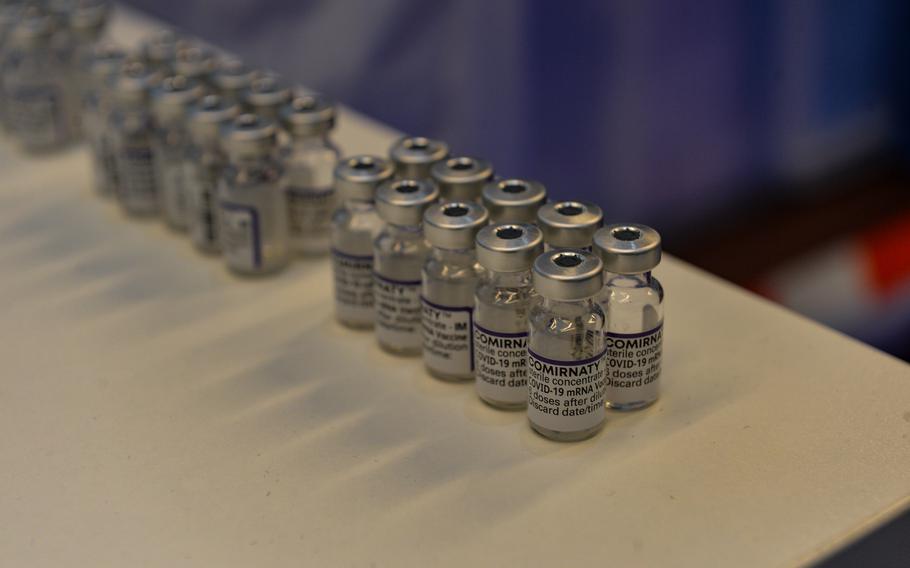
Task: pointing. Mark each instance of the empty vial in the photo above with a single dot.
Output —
(513, 200)
(204, 166)
(196, 62)
(266, 96)
(252, 210)
(231, 78)
(632, 300)
(566, 365)
(354, 227)
(569, 224)
(413, 156)
(171, 104)
(461, 179)
(449, 278)
(96, 110)
(41, 105)
(502, 303)
(132, 134)
(399, 253)
(309, 162)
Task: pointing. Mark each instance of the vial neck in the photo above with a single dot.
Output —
(627, 280)
(403, 230)
(517, 279)
(359, 205)
(455, 257)
(304, 141)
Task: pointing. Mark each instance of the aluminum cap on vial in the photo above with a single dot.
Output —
(461, 179)
(568, 274)
(231, 77)
(569, 224)
(404, 201)
(514, 200)
(195, 61)
(172, 99)
(266, 95)
(509, 247)
(358, 176)
(159, 50)
(308, 115)
(454, 225)
(250, 135)
(209, 116)
(628, 248)
(134, 84)
(413, 156)
(106, 61)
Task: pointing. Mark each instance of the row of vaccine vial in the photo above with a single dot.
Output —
(231, 155)
(538, 303)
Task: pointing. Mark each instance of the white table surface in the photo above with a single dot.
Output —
(155, 410)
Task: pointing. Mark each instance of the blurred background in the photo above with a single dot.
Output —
(768, 141)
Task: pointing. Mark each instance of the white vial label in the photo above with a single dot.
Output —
(398, 312)
(501, 365)
(240, 237)
(310, 209)
(447, 343)
(353, 286)
(34, 114)
(566, 396)
(633, 365)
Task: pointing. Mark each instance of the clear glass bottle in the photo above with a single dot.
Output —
(449, 278)
(502, 302)
(399, 253)
(461, 179)
(632, 299)
(354, 227)
(171, 102)
(132, 132)
(231, 78)
(40, 105)
(513, 200)
(203, 168)
(86, 21)
(107, 60)
(413, 156)
(566, 365)
(198, 63)
(309, 160)
(266, 96)
(252, 210)
(569, 224)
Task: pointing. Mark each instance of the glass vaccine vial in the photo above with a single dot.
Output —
(413, 156)
(86, 21)
(204, 167)
(231, 78)
(309, 162)
(197, 63)
(252, 211)
(502, 302)
(399, 253)
(461, 179)
(41, 104)
(96, 110)
(159, 50)
(569, 224)
(171, 104)
(132, 132)
(513, 200)
(354, 227)
(449, 278)
(566, 365)
(633, 302)
(265, 97)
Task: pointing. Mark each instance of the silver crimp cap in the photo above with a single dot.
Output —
(308, 115)
(628, 248)
(250, 136)
(462, 178)
(172, 99)
(231, 77)
(209, 116)
(413, 156)
(568, 274)
(454, 225)
(133, 86)
(509, 247)
(514, 200)
(358, 176)
(266, 95)
(195, 61)
(569, 224)
(403, 202)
